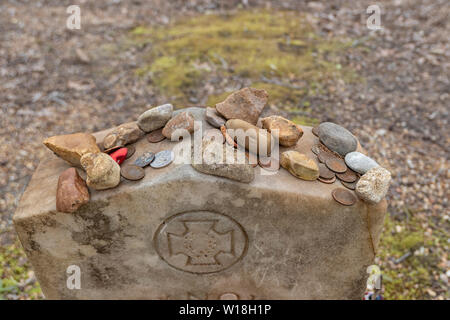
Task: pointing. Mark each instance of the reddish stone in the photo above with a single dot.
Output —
(72, 191)
(119, 155)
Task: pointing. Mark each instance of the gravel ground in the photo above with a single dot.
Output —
(56, 81)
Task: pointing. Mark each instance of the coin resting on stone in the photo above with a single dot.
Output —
(348, 176)
(344, 197)
(336, 165)
(155, 136)
(325, 173)
(349, 185)
(329, 181)
(145, 159)
(163, 159)
(132, 172)
(131, 150)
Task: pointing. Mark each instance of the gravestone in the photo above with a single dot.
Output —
(182, 234)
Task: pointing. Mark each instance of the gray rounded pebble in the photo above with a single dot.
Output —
(337, 138)
(359, 162)
(155, 118)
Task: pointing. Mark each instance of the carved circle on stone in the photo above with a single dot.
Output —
(201, 241)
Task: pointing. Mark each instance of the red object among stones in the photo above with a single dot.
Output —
(119, 155)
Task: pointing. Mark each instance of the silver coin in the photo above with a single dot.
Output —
(162, 159)
(145, 159)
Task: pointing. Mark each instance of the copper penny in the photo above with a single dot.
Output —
(343, 196)
(132, 172)
(351, 186)
(336, 165)
(324, 156)
(155, 136)
(315, 131)
(348, 176)
(324, 172)
(329, 181)
(131, 151)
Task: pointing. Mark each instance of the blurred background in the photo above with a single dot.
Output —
(317, 60)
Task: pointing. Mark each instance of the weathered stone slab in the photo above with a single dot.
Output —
(181, 234)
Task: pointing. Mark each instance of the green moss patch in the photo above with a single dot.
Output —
(277, 51)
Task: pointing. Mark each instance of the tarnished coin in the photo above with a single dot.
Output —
(324, 156)
(315, 131)
(336, 165)
(343, 196)
(145, 159)
(315, 149)
(132, 172)
(155, 136)
(329, 181)
(351, 186)
(269, 163)
(324, 172)
(163, 159)
(131, 151)
(348, 176)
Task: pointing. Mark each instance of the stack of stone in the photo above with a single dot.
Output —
(335, 150)
(105, 163)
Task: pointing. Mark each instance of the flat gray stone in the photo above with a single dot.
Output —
(214, 118)
(360, 162)
(155, 118)
(337, 138)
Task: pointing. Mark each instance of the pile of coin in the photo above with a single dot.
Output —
(332, 166)
(136, 171)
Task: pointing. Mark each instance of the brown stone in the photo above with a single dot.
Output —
(72, 191)
(182, 121)
(123, 135)
(299, 165)
(288, 132)
(102, 171)
(245, 104)
(252, 138)
(72, 147)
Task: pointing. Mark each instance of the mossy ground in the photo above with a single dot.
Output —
(16, 277)
(276, 51)
(418, 276)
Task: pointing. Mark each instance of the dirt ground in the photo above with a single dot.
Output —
(55, 81)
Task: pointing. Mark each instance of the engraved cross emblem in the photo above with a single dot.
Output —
(200, 242)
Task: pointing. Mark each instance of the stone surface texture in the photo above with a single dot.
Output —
(215, 155)
(288, 132)
(373, 185)
(360, 162)
(291, 240)
(254, 139)
(181, 121)
(245, 104)
(214, 118)
(337, 138)
(72, 147)
(300, 165)
(102, 171)
(155, 118)
(71, 192)
(123, 135)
